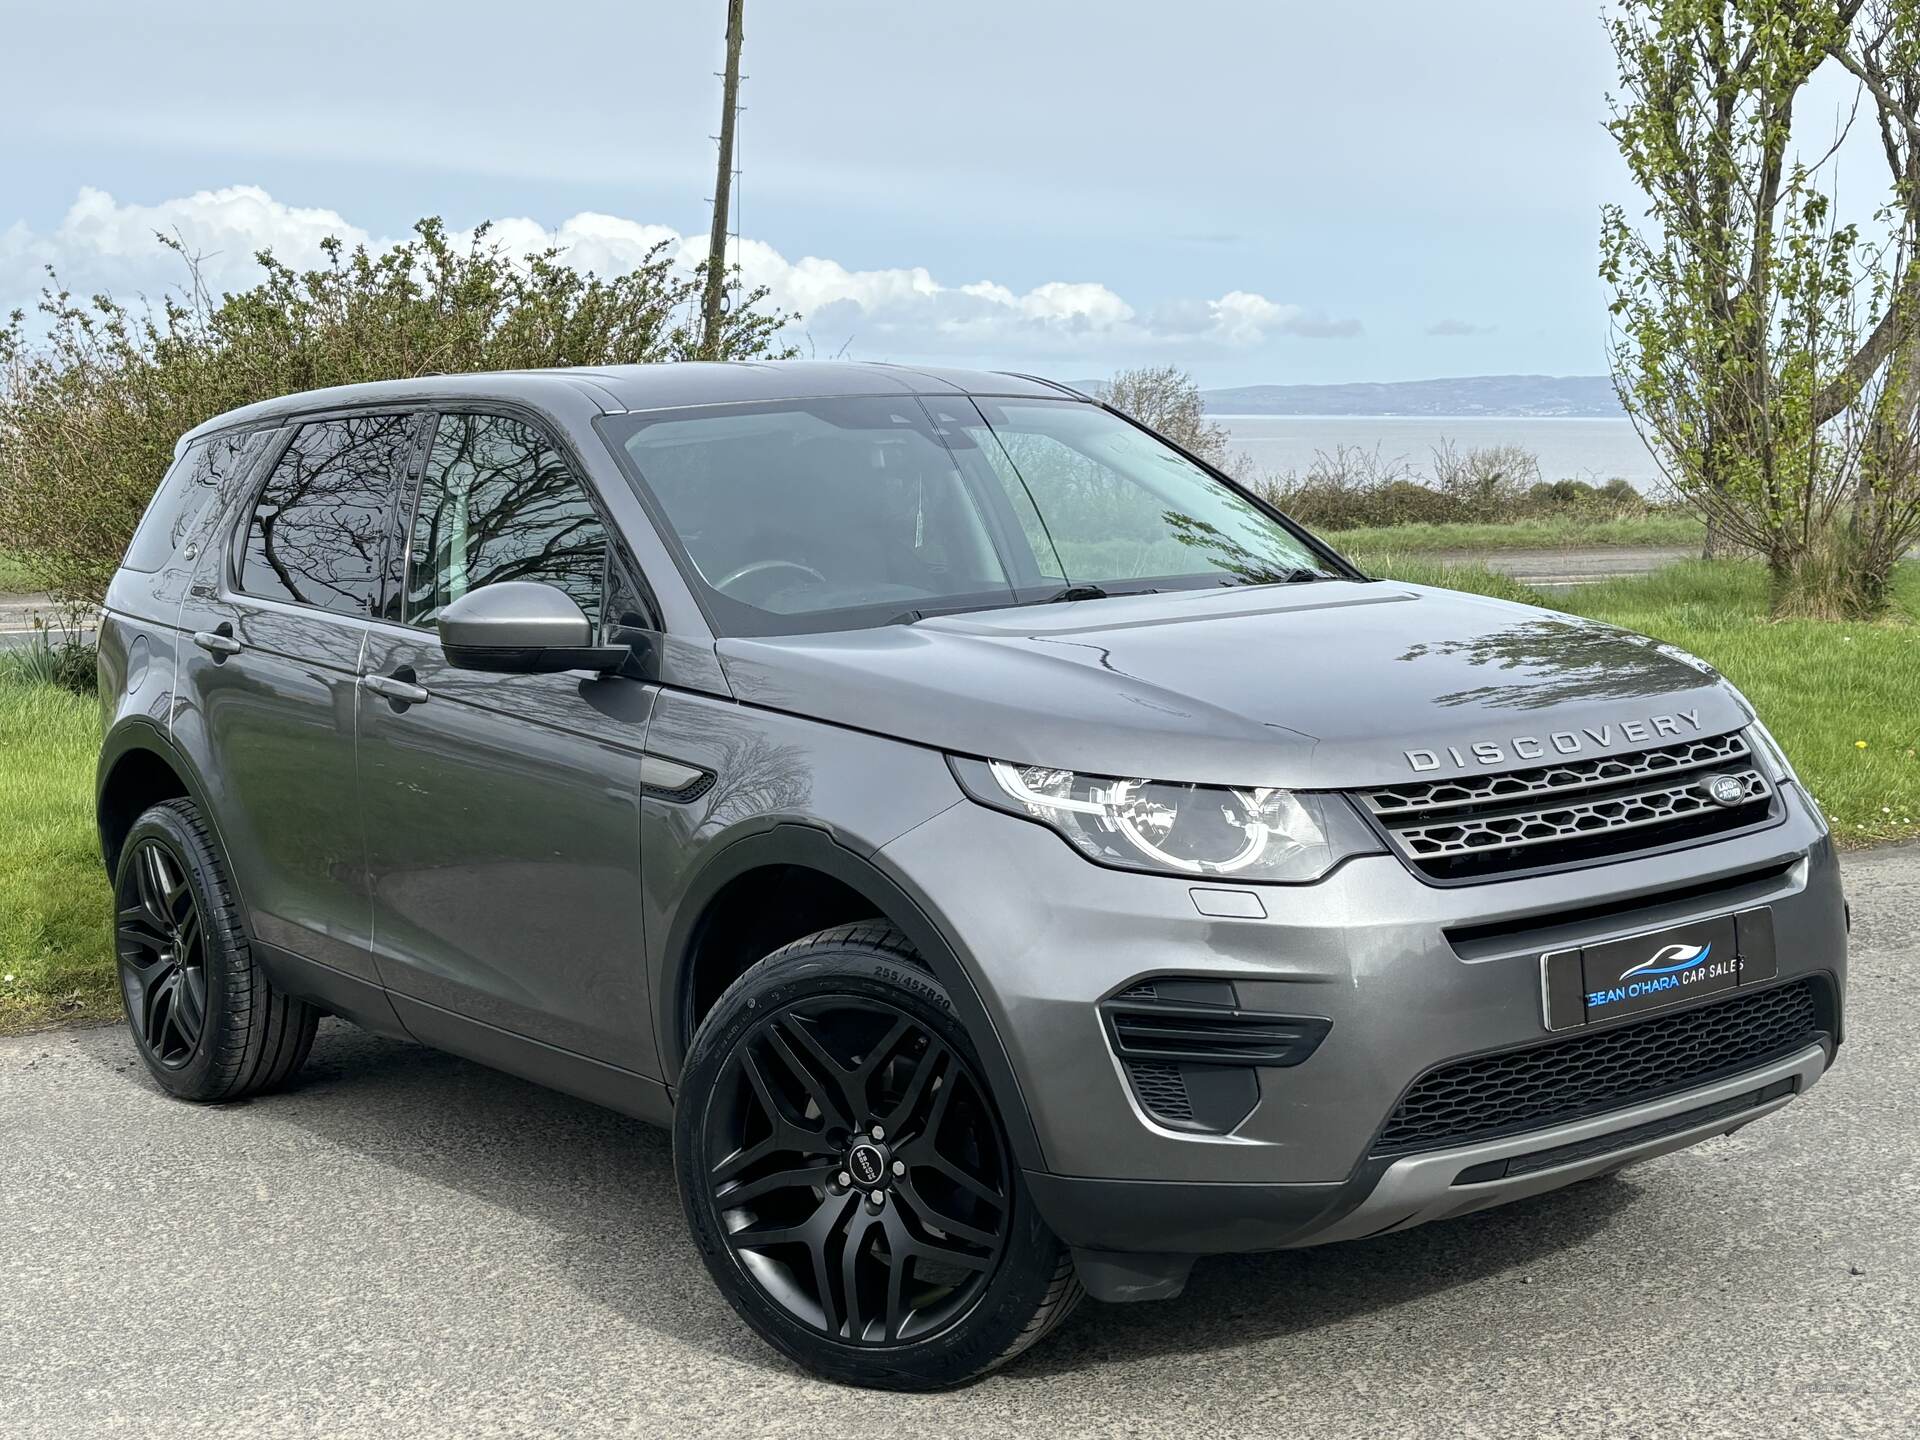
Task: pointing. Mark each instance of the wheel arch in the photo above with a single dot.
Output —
(138, 768)
(807, 849)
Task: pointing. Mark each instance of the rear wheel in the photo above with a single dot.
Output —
(206, 1020)
(847, 1177)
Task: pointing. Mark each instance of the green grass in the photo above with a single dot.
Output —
(1843, 700)
(56, 960)
(1519, 535)
(14, 579)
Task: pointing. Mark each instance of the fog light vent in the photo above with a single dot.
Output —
(1192, 1053)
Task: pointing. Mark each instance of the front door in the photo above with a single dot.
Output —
(502, 811)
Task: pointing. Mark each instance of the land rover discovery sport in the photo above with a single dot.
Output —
(1013, 858)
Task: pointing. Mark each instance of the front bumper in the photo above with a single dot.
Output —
(1410, 975)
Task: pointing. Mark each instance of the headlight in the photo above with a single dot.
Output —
(1256, 834)
(1774, 757)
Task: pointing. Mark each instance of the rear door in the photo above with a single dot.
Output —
(502, 811)
(271, 634)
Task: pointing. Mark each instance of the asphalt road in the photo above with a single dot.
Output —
(408, 1244)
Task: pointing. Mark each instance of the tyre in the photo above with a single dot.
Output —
(847, 1178)
(205, 1019)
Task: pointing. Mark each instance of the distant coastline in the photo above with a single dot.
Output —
(1530, 397)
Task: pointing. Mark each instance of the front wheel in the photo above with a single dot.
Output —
(847, 1177)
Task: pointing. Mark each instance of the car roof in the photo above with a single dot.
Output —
(618, 388)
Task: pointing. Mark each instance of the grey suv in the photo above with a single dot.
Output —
(1013, 858)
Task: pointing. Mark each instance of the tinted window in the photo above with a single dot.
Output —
(319, 527)
(498, 502)
(195, 479)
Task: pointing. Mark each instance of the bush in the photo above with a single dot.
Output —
(90, 412)
(1353, 489)
(68, 664)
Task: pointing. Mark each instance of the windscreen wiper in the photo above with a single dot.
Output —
(1069, 593)
(1087, 592)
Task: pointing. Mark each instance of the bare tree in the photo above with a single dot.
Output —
(1165, 398)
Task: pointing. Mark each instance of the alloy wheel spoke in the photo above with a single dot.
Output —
(931, 1215)
(931, 1063)
(175, 899)
(137, 928)
(898, 1259)
(973, 1184)
(159, 1012)
(187, 938)
(152, 888)
(832, 1113)
(795, 1178)
(190, 996)
(858, 1233)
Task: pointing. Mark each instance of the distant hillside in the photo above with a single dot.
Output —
(1585, 395)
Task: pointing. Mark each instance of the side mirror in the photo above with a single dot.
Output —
(522, 627)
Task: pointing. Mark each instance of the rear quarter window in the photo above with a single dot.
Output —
(189, 484)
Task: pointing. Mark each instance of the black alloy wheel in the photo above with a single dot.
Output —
(162, 949)
(860, 1176)
(847, 1176)
(205, 1017)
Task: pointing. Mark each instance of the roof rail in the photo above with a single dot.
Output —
(1043, 380)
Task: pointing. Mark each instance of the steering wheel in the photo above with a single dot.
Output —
(761, 567)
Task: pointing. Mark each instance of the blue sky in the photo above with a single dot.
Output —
(1258, 191)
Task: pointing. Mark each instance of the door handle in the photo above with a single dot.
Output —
(216, 643)
(400, 692)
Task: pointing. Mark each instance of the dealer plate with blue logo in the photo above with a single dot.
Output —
(1652, 971)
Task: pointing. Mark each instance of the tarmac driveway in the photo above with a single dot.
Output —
(409, 1245)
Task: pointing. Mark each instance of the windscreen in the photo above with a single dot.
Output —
(836, 514)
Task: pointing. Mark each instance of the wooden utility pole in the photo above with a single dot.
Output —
(713, 303)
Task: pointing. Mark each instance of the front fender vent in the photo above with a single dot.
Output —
(1191, 1052)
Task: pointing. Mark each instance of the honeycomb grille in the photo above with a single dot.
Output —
(1586, 811)
(1553, 781)
(1600, 1070)
(1630, 811)
(1161, 1090)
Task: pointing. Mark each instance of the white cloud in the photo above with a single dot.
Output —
(896, 313)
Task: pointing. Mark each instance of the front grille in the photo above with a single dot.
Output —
(1600, 1070)
(1568, 813)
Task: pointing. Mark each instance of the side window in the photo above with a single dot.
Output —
(319, 527)
(194, 481)
(497, 502)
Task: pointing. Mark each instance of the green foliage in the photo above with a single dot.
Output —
(68, 664)
(1166, 400)
(1752, 330)
(1351, 488)
(1547, 533)
(89, 411)
(56, 937)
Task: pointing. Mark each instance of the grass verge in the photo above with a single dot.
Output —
(1647, 530)
(56, 958)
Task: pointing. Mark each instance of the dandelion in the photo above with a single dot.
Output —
(1859, 744)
